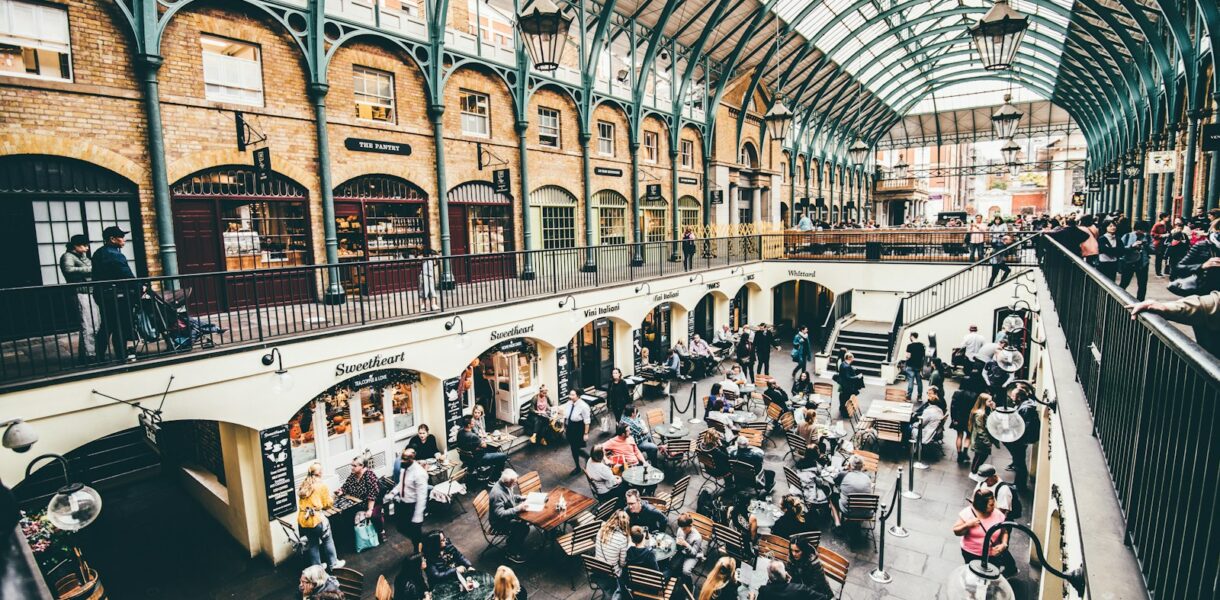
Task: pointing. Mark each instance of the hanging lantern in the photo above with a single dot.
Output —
(1005, 425)
(858, 153)
(778, 120)
(998, 35)
(1004, 122)
(1010, 152)
(544, 31)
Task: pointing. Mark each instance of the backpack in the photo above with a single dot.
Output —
(1018, 509)
(1033, 423)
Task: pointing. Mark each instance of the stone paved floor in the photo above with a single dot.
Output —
(919, 564)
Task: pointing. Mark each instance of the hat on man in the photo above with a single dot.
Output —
(113, 231)
(986, 471)
(79, 239)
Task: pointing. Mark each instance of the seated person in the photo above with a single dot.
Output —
(644, 514)
(779, 586)
(480, 420)
(715, 401)
(424, 443)
(690, 547)
(538, 423)
(639, 432)
(602, 479)
(852, 481)
(736, 375)
(712, 444)
(806, 568)
(803, 386)
(729, 385)
(701, 356)
(640, 552)
(746, 453)
(794, 519)
(613, 539)
(776, 395)
(621, 448)
(505, 504)
(724, 337)
(471, 442)
(673, 364)
(443, 560)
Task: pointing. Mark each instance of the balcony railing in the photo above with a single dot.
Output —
(193, 314)
(1153, 394)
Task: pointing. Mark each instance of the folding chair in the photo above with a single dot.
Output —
(675, 498)
(655, 417)
(745, 477)
(602, 581)
(753, 435)
(826, 394)
(835, 567)
(678, 453)
(529, 483)
(795, 485)
(733, 543)
(796, 445)
(579, 541)
(862, 511)
(351, 583)
(896, 395)
(813, 537)
(871, 461)
(645, 583)
(774, 547)
(787, 422)
(482, 508)
(888, 431)
(707, 468)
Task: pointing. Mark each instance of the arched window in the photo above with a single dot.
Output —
(610, 208)
(653, 217)
(688, 213)
(748, 156)
(554, 212)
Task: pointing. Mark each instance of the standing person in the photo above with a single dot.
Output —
(313, 500)
(1177, 245)
(981, 441)
(959, 419)
(764, 339)
(363, 483)
(688, 249)
(617, 395)
(999, 260)
(76, 267)
(411, 493)
(800, 349)
(1159, 235)
(1135, 259)
(1088, 246)
(1027, 409)
(971, 344)
(998, 230)
(577, 417)
(745, 354)
(972, 525)
(850, 382)
(977, 239)
(505, 505)
(114, 300)
(428, 298)
(506, 586)
(916, 353)
(1110, 252)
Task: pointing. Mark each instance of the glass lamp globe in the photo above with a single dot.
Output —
(463, 340)
(1005, 425)
(966, 583)
(282, 383)
(74, 507)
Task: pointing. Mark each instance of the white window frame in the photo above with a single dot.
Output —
(687, 153)
(651, 150)
(612, 224)
(51, 34)
(547, 130)
(471, 117)
(228, 78)
(605, 138)
(374, 100)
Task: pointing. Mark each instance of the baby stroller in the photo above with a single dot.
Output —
(164, 318)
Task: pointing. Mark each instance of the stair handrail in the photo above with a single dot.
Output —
(912, 316)
(840, 307)
(986, 259)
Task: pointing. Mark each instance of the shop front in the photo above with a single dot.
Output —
(688, 214)
(503, 379)
(655, 334)
(480, 223)
(230, 219)
(739, 309)
(374, 412)
(380, 218)
(703, 318)
(591, 355)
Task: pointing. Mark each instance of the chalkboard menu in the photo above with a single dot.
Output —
(690, 327)
(277, 471)
(453, 410)
(562, 371)
(635, 343)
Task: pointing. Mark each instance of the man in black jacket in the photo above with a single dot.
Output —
(779, 586)
(114, 300)
(849, 382)
(764, 339)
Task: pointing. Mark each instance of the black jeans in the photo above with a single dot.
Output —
(687, 259)
(116, 327)
(1019, 468)
(996, 269)
(403, 515)
(516, 530)
(764, 364)
(575, 432)
(1160, 260)
(1108, 268)
(1141, 279)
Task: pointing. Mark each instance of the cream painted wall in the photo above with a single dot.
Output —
(875, 305)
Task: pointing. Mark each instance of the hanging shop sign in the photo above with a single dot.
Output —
(378, 146)
(1078, 199)
(561, 371)
(1112, 179)
(690, 327)
(607, 171)
(1211, 137)
(635, 345)
(717, 197)
(262, 163)
(1095, 187)
(277, 471)
(689, 180)
(652, 191)
(501, 180)
(453, 409)
(150, 422)
(1162, 161)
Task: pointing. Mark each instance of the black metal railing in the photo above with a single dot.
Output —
(840, 307)
(975, 278)
(894, 245)
(1153, 394)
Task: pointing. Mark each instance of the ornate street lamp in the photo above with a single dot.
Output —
(544, 31)
(1010, 152)
(1005, 120)
(778, 120)
(981, 579)
(858, 153)
(998, 35)
(75, 505)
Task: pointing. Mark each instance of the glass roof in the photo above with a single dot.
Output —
(898, 68)
(972, 94)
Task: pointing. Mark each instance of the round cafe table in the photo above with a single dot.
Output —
(765, 514)
(671, 431)
(449, 589)
(664, 546)
(636, 477)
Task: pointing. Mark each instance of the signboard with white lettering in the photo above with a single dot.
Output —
(453, 410)
(501, 180)
(717, 196)
(380, 147)
(1210, 136)
(262, 163)
(562, 372)
(607, 172)
(276, 449)
(688, 180)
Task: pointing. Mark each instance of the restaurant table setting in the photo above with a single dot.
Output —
(472, 585)
(671, 430)
(765, 514)
(643, 476)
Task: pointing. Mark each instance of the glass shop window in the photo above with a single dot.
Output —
(402, 402)
(264, 234)
(34, 41)
(338, 421)
(372, 415)
(301, 432)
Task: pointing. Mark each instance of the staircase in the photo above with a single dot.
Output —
(105, 463)
(868, 341)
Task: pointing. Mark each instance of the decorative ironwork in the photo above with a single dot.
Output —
(380, 187)
(237, 181)
(37, 174)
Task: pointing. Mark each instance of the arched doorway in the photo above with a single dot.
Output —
(703, 318)
(380, 218)
(503, 379)
(654, 218)
(44, 201)
(229, 218)
(656, 334)
(798, 302)
(591, 355)
(688, 213)
(739, 308)
(553, 215)
(480, 223)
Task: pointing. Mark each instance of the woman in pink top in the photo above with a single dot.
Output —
(972, 524)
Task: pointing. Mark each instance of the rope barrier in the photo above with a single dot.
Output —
(897, 530)
(673, 402)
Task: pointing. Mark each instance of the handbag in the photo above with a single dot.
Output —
(1186, 286)
(366, 536)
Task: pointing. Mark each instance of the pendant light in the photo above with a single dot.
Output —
(998, 35)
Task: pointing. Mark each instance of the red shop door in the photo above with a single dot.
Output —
(197, 238)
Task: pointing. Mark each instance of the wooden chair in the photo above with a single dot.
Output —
(717, 425)
(529, 483)
(787, 422)
(351, 583)
(857, 420)
(826, 396)
(705, 526)
(645, 583)
(774, 546)
(383, 591)
(754, 436)
(675, 498)
(658, 502)
(835, 567)
(896, 395)
(796, 445)
(773, 412)
(655, 417)
(482, 508)
(888, 431)
(744, 476)
(730, 397)
(795, 485)
(607, 508)
(813, 537)
(862, 511)
(679, 453)
(707, 468)
(577, 542)
(601, 578)
(871, 461)
(733, 543)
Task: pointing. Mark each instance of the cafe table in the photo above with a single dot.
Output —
(450, 590)
(549, 518)
(663, 546)
(765, 514)
(887, 410)
(752, 576)
(643, 477)
(671, 431)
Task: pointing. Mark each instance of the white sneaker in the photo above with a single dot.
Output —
(338, 564)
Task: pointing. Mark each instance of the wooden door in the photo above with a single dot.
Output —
(459, 242)
(197, 237)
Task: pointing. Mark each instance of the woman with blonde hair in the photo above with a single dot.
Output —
(507, 586)
(613, 540)
(313, 499)
(721, 583)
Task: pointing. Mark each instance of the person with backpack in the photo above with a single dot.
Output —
(1005, 499)
(1027, 409)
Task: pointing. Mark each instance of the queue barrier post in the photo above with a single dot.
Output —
(910, 491)
(896, 529)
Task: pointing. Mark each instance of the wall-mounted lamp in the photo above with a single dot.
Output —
(643, 286)
(463, 340)
(736, 270)
(283, 379)
(19, 436)
(698, 276)
(75, 505)
(981, 579)
(1005, 423)
(573, 316)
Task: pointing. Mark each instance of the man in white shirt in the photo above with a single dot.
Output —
(991, 481)
(724, 337)
(971, 344)
(701, 354)
(577, 416)
(412, 492)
